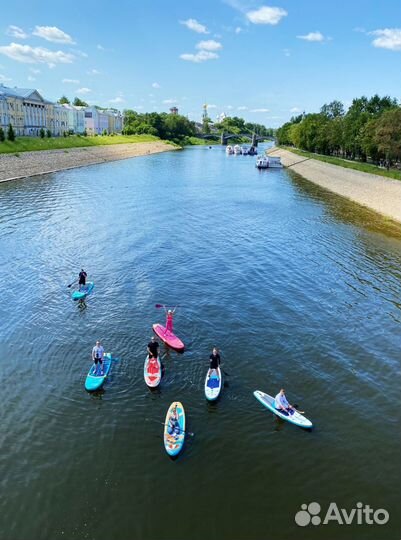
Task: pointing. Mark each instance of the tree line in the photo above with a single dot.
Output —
(369, 130)
(173, 127)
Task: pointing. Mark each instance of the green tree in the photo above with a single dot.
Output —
(105, 132)
(79, 102)
(388, 133)
(42, 133)
(2, 135)
(10, 133)
(48, 133)
(64, 100)
(332, 110)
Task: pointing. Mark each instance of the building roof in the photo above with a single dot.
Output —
(23, 93)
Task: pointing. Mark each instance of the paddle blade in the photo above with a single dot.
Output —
(158, 305)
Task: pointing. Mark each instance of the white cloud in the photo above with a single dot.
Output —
(4, 79)
(53, 34)
(229, 107)
(34, 71)
(242, 108)
(209, 45)
(295, 109)
(387, 38)
(212, 106)
(83, 91)
(16, 32)
(31, 79)
(155, 85)
(138, 107)
(196, 26)
(312, 36)
(259, 110)
(117, 99)
(238, 30)
(100, 47)
(266, 15)
(169, 101)
(79, 53)
(287, 52)
(200, 56)
(70, 81)
(93, 72)
(35, 55)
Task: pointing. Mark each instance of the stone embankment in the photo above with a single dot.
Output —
(378, 193)
(13, 167)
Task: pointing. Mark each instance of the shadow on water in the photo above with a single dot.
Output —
(344, 210)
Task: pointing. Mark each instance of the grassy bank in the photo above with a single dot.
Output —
(31, 144)
(197, 141)
(358, 166)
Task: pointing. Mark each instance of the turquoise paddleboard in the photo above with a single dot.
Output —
(94, 379)
(296, 418)
(83, 292)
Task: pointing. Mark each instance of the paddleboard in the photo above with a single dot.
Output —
(84, 292)
(174, 442)
(94, 379)
(168, 337)
(295, 418)
(152, 371)
(213, 384)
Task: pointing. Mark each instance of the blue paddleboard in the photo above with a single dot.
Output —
(94, 380)
(83, 292)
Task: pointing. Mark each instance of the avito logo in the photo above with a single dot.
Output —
(363, 514)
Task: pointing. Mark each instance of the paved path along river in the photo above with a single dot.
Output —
(297, 286)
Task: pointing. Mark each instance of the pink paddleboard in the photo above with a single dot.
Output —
(168, 337)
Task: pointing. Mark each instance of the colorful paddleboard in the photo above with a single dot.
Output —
(294, 418)
(152, 371)
(213, 384)
(94, 380)
(83, 292)
(174, 437)
(168, 337)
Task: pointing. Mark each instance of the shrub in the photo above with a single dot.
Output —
(42, 133)
(48, 133)
(2, 135)
(10, 133)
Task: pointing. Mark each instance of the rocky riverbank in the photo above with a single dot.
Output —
(380, 194)
(15, 166)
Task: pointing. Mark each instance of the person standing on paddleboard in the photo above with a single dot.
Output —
(153, 348)
(281, 403)
(169, 319)
(97, 356)
(214, 361)
(82, 279)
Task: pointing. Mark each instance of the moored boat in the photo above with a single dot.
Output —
(229, 150)
(237, 150)
(262, 163)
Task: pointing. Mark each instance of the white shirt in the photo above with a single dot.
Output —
(281, 401)
(97, 352)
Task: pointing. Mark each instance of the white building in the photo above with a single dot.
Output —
(76, 118)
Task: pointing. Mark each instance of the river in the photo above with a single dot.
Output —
(296, 286)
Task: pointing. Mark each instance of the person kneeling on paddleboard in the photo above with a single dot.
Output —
(173, 427)
(214, 361)
(281, 403)
(82, 279)
(97, 356)
(153, 348)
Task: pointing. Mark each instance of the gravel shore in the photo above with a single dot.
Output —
(375, 192)
(13, 167)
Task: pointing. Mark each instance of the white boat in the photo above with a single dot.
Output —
(262, 162)
(244, 150)
(229, 150)
(274, 162)
(237, 150)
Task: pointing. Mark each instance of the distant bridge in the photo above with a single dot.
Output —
(224, 137)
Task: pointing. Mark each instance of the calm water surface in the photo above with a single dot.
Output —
(297, 286)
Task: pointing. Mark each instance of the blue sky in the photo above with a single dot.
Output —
(264, 61)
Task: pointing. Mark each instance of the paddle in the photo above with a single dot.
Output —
(71, 284)
(181, 430)
(163, 306)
